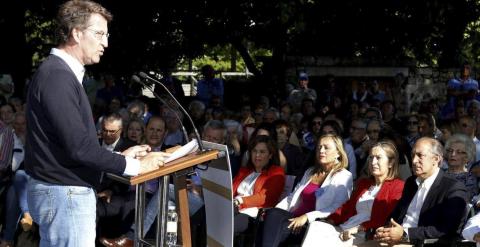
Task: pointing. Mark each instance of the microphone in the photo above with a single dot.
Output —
(139, 81)
(197, 135)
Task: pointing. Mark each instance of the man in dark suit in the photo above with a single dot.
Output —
(433, 205)
(111, 139)
(62, 153)
(113, 194)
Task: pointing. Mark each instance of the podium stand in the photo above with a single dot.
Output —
(180, 168)
(217, 195)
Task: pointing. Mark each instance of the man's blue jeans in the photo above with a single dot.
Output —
(65, 214)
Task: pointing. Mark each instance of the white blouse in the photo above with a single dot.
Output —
(246, 186)
(364, 208)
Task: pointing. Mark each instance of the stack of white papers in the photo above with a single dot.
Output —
(188, 148)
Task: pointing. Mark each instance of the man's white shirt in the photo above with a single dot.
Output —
(413, 212)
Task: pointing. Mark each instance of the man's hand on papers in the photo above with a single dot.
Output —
(152, 161)
(137, 151)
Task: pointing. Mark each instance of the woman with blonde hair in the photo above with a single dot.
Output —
(135, 131)
(323, 188)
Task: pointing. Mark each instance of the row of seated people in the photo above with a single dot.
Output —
(382, 209)
(115, 202)
(320, 176)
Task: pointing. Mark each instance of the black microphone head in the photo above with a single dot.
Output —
(144, 75)
(135, 78)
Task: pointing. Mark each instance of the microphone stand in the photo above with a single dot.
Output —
(137, 80)
(197, 135)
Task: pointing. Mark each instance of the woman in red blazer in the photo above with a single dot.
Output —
(372, 201)
(259, 184)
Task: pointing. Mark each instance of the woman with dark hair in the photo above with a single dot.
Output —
(266, 129)
(371, 203)
(259, 184)
(331, 127)
(323, 188)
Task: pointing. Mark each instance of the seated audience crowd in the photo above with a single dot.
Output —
(328, 166)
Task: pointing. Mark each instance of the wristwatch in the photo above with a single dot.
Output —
(236, 202)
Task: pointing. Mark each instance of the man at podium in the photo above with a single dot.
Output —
(63, 155)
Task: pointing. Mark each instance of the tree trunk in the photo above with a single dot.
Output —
(237, 43)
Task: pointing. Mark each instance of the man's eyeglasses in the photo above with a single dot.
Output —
(317, 123)
(99, 34)
(412, 122)
(110, 132)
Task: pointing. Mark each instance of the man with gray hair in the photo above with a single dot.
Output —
(111, 134)
(433, 205)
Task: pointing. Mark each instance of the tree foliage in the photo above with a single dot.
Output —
(157, 34)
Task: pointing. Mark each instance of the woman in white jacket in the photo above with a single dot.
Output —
(323, 188)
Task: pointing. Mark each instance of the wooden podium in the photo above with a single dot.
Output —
(180, 168)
